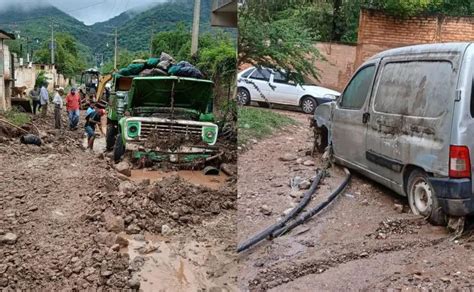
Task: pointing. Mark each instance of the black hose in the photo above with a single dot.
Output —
(305, 216)
(269, 230)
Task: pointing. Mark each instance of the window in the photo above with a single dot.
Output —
(416, 88)
(356, 92)
(247, 73)
(280, 77)
(261, 74)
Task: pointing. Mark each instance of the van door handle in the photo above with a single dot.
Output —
(365, 118)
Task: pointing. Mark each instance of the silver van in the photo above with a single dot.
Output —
(406, 120)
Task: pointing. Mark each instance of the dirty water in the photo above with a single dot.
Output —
(173, 265)
(194, 177)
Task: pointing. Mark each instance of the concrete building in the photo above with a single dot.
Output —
(224, 13)
(6, 70)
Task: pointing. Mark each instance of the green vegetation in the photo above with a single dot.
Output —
(97, 41)
(255, 123)
(16, 117)
(67, 58)
(124, 59)
(216, 58)
(274, 34)
(338, 20)
(41, 79)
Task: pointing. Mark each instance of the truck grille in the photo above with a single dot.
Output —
(164, 128)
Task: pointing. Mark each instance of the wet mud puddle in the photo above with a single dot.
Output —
(171, 265)
(192, 176)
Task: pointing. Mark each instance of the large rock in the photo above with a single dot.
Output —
(166, 230)
(266, 210)
(288, 157)
(124, 168)
(309, 163)
(113, 223)
(304, 185)
(9, 238)
(122, 241)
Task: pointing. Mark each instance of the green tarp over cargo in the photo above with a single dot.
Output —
(189, 93)
(130, 70)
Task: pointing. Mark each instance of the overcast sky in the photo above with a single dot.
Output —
(87, 11)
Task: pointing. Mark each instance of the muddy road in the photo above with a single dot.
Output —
(367, 239)
(70, 221)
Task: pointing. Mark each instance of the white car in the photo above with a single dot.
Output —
(264, 85)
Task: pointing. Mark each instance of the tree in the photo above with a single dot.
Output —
(124, 58)
(66, 56)
(273, 34)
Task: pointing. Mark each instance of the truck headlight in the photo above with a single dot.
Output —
(209, 135)
(133, 129)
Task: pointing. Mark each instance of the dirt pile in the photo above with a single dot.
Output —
(397, 226)
(172, 202)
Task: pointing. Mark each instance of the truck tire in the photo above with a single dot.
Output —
(119, 148)
(422, 198)
(110, 136)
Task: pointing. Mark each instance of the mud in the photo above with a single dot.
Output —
(362, 241)
(171, 141)
(180, 266)
(197, 178)
(62, 209)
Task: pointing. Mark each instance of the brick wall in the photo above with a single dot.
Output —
(379, 32)
(338, 67)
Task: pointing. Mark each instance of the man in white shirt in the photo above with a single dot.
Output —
(58, 105)
(44, 99)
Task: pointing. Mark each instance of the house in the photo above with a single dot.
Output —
(224, 13)
(6, 71)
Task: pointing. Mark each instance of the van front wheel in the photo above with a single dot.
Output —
(422, 198)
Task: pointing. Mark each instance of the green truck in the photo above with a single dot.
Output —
(163, 118)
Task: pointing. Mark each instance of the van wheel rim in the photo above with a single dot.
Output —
(242, 97)
(308, 106)
(422, 197)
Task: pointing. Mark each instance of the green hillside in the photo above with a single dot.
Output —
(134, 28)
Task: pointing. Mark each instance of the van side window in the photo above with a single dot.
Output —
(356, 92)
(415, 88)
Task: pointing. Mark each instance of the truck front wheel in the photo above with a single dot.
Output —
(110, 136)
(119, 148)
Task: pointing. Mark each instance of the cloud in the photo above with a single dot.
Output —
(87, 11)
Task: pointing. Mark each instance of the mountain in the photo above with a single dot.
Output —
(134, 27)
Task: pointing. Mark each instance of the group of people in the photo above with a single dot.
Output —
(40, 99)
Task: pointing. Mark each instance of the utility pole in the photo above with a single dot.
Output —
(116, 49)
(151, 39)
(52, 42)
(195, 35)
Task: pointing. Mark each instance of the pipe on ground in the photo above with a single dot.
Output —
(276, 226)
(307, 215)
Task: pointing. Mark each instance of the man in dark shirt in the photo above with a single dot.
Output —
(92, 119)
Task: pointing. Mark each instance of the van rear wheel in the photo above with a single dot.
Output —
(422, 198)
